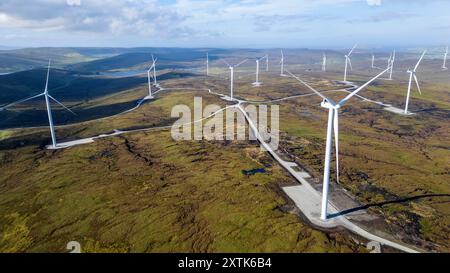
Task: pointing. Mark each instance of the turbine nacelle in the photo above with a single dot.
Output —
(329, 104)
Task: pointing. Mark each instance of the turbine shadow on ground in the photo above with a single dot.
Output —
(381, 204)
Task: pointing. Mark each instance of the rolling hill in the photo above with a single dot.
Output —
(71, 89)
(166, 59)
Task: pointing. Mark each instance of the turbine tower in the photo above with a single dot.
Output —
(324, 62)
(47, 97)
(257, 82)
(231, 67)
(348, 62)
(154, 71)
(149, 71)
(373, 61)
(282, 64)
(444, 66)
(332, 128)
(412, 74)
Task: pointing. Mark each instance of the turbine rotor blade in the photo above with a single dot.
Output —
(225, 62)
(342, 102)
(350, 63)
(241, 63)
(20, 101)
(55, 100)
(351, 51)
(418, 63)
(150, 74)
(336, 138)
(307, 85)
(48, 75)
(417, 83)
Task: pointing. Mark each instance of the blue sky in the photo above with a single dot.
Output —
(225, 23)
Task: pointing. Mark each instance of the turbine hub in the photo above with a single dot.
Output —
(327, 104)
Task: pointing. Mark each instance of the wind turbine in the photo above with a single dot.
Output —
(282, 64)
(207, 64)
(391, 65)
(257, 82)
(154, 71)
(332, 128)
(324, 62)
(373, 61)
(389, 59)
(150, 95)
(231, 67)
(348, 62)
(412, 74)
(47, 97)
(444, 66)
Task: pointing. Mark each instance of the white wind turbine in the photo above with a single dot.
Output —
(391, 65)
(373, 61)
(389, 59)
(333, 128)
(282, 64)
(154, 71)
(412, 74)
(444, 66)
(231, 67)
(149, 71)
(257, 82)
(324, 62)
(47, 97)
(348, 62)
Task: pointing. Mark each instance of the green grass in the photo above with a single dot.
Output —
(147, 193)
(4, 134)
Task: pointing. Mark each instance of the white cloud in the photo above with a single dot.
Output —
(74, 2)
(142, 17)
(374, 2)
(204, 21)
